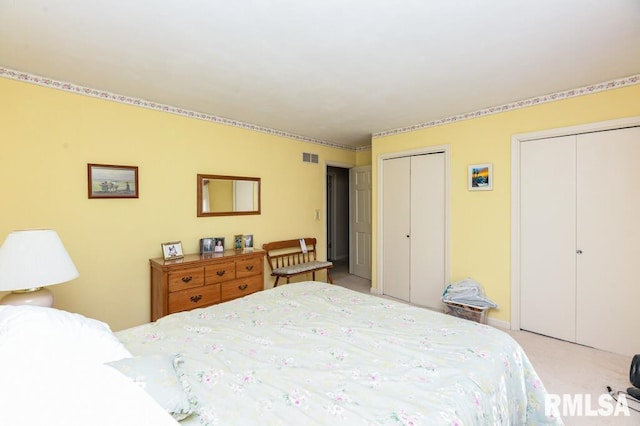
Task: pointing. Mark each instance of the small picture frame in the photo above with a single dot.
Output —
(218, 245)
(172, 250)
(238, 242)
(109, 181)
(480, 177)
(206, 245)
(247, 241)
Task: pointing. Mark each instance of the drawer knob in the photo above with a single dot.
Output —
(220, 273)
(196, 299)
(243, 286)
(249, 267)
(187, 279)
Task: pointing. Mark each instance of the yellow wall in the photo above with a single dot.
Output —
(480, 221)
(363, 158)
(48, 136)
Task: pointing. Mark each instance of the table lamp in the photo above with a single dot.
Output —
(29, 260)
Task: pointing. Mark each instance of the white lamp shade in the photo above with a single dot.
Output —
(34, 258)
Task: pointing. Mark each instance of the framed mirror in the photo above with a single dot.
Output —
(228, 195)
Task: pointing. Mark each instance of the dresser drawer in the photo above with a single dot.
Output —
(219, 272)
(186, 278)
(194, 298)
(199, 280)
(242, 287)
(248, 267)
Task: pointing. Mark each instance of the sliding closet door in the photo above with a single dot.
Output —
(548, 237)
(608, 226)
(396, 211)
(427, 229)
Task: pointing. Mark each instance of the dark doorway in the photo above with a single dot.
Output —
(338, 214)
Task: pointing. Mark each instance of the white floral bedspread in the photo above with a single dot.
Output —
(313, 353)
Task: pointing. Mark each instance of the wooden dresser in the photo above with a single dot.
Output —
(196, 281)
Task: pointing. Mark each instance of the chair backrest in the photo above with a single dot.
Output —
(289, 252)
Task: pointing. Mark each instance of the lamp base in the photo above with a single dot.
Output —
(39, 296)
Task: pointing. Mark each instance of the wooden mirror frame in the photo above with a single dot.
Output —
(202, 177)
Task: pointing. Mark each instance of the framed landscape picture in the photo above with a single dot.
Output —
(480, 177)
(109, 181)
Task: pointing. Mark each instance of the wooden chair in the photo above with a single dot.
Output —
(288, 258)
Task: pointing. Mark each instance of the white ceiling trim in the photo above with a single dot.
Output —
(572, 93)
(101, 94)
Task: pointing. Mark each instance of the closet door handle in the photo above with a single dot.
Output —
(579, 251)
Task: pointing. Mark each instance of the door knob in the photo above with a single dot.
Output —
(579, 251)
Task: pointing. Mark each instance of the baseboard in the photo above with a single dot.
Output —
(490, 321)
(498, 323)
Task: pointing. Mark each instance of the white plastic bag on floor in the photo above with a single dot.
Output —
(467, 292)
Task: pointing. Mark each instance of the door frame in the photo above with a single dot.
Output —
(380, 219)
(325, 207)
(516, 141)
(331, 214)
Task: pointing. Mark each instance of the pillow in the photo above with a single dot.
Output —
(61, 392)
(163, 379)
(42, 334)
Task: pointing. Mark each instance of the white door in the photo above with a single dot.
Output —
(608, 201)
(360, 253)
(413, 215)
(579, 234)
(548, 237)
(396, 205)
(427, 229)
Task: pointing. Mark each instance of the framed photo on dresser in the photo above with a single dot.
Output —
(172, 250)
(218, 244)
(238, 242)
(206, 245)
(247, 242)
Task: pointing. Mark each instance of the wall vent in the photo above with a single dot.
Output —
(310, 158)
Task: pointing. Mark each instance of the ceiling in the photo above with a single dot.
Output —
(333, 70)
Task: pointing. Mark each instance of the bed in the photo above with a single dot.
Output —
(300, 354)
(314, 353)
